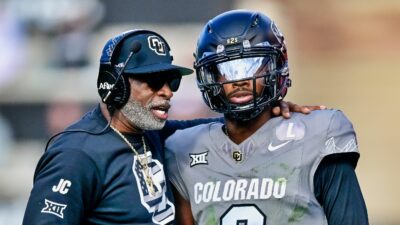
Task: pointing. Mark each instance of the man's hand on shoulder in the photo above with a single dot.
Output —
(284, 108)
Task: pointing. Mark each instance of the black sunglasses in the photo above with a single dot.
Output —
(157, 81)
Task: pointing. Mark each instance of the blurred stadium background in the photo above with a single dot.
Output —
(343, 54)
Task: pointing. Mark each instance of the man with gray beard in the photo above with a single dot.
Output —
(108, 168)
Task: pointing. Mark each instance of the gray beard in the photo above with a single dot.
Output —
(141, 117)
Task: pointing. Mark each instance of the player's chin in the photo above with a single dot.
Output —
(155, 124)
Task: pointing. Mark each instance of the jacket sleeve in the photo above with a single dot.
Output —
(65, 186)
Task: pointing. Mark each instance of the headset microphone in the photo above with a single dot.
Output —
(136, 46)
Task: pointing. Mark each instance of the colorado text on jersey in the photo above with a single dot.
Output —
(240, 189)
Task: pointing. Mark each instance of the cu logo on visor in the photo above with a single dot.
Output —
(157, 45)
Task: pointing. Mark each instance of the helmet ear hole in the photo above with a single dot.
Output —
(273, 78)
(270, 80)
(266, 80)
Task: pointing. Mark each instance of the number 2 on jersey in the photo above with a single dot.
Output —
(243, 214)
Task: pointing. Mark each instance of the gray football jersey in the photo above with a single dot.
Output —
(265, 180)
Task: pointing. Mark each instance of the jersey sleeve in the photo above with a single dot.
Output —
(335, 182)
(341, 137)
(64, 188)
(174, 173)
(337, 190)
(173, 125)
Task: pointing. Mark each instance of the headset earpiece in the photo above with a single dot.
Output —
(112, 92)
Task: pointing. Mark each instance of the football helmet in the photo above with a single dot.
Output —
(237, 46)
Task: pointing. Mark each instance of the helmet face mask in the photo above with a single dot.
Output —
(241, 46)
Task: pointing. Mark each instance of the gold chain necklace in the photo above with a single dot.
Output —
(142, 160)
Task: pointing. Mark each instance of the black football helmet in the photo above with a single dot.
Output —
(241, 45)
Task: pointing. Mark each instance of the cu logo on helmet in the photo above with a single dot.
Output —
(156, 45)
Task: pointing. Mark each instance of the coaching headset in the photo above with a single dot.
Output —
(138, 52)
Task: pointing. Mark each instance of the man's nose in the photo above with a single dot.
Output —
(165, 91)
